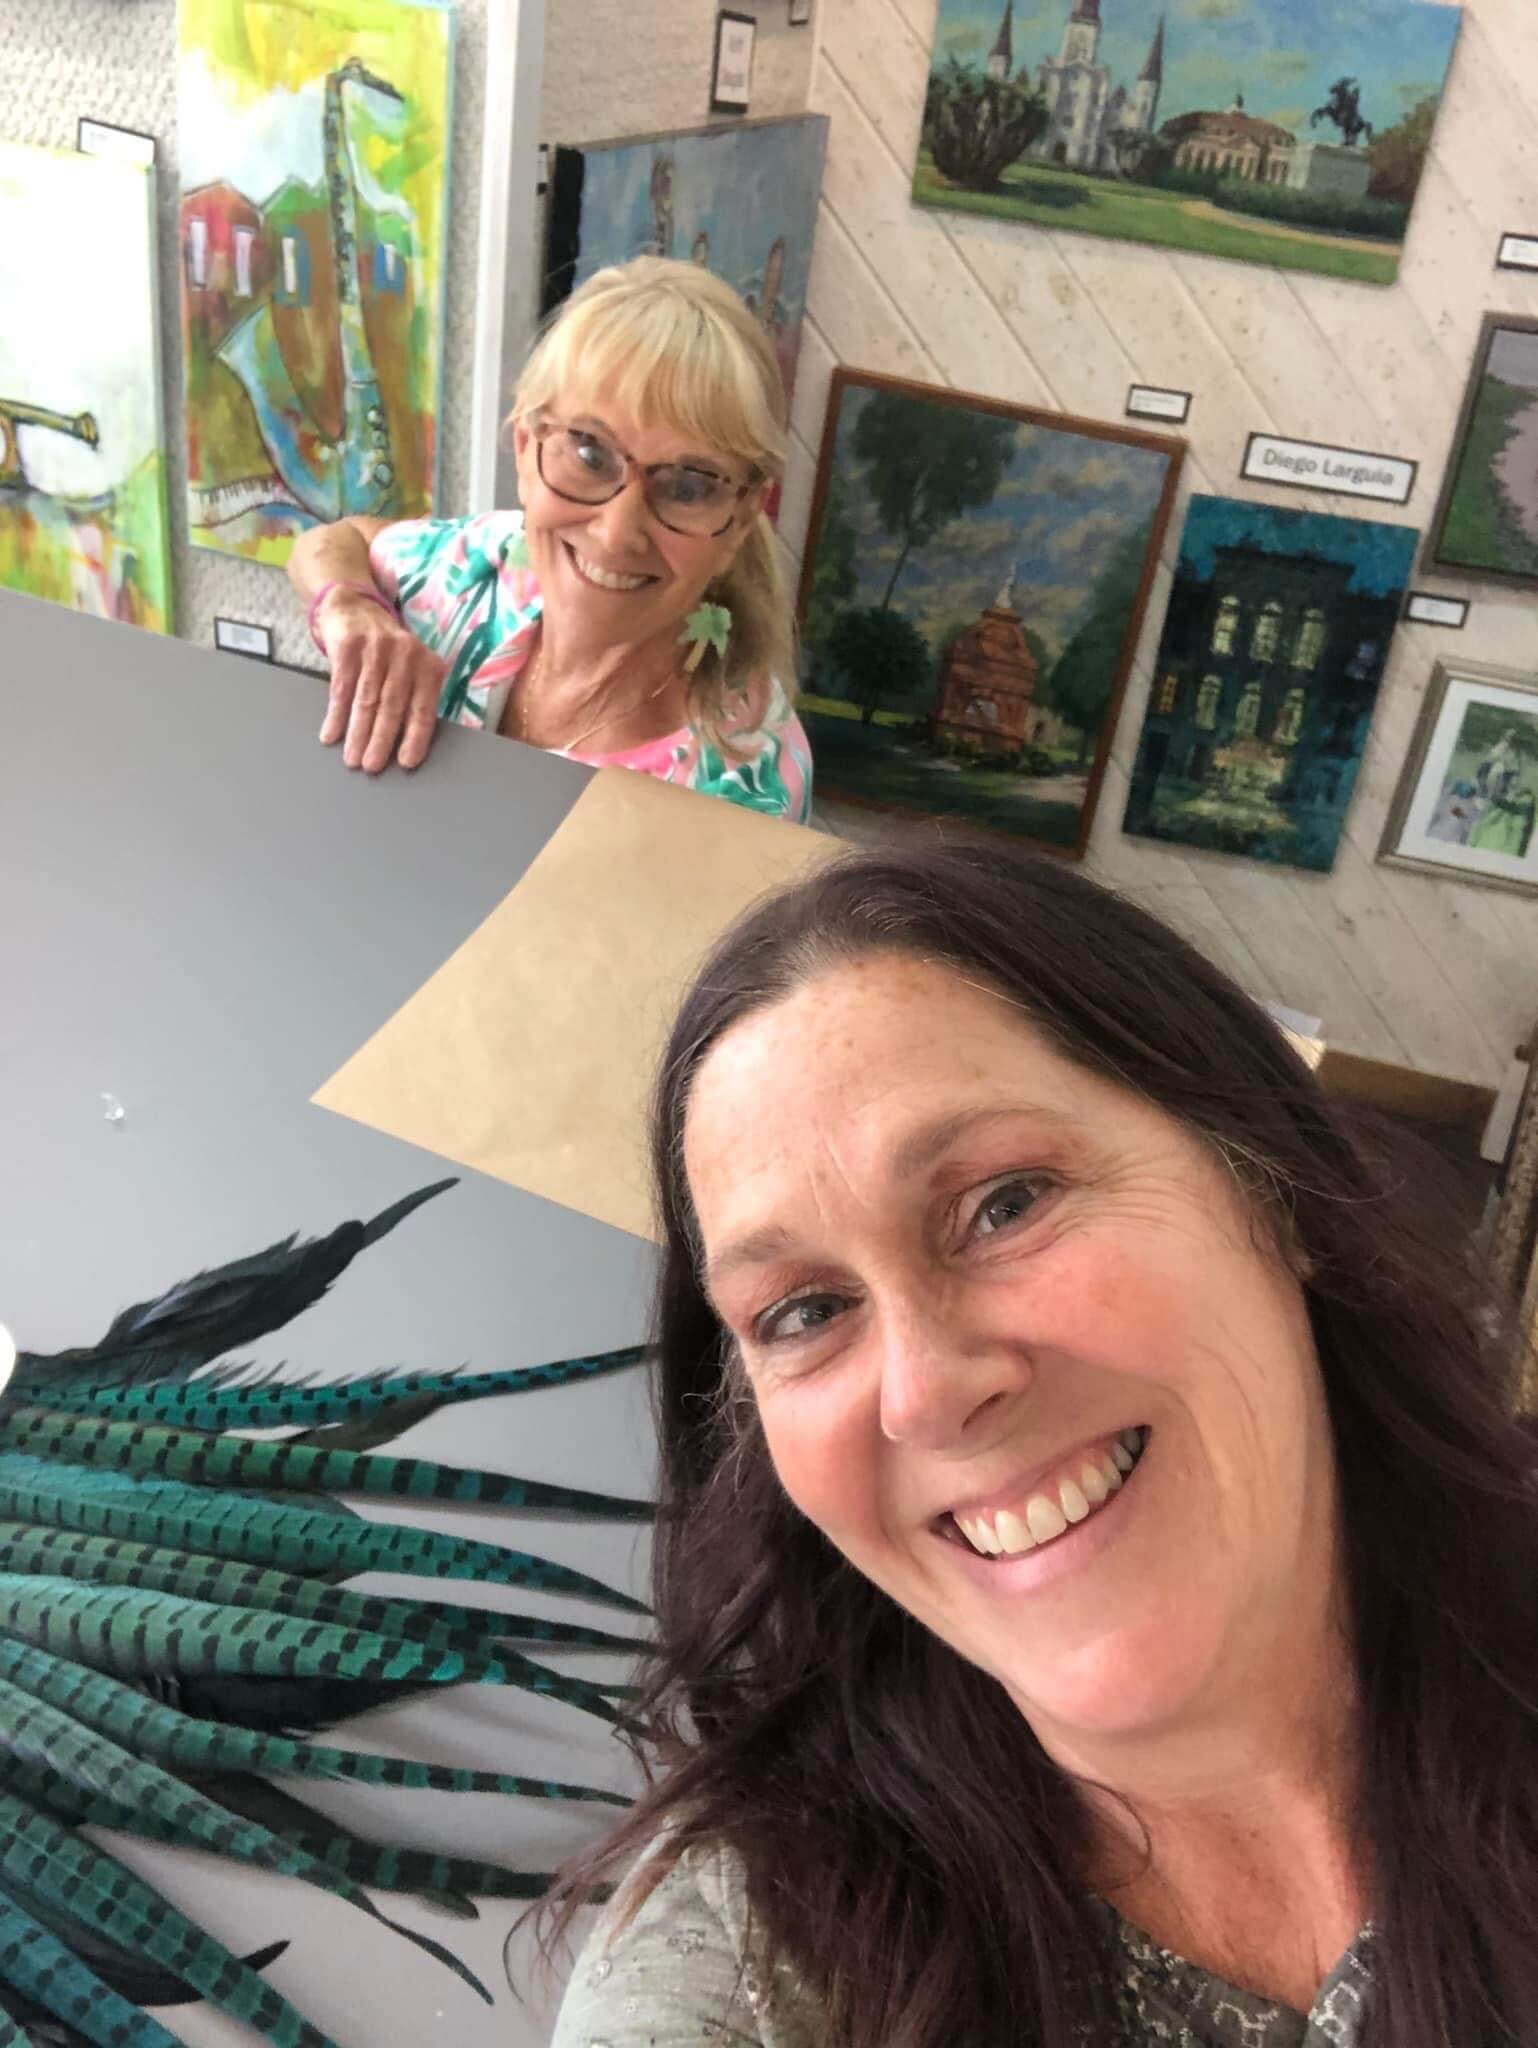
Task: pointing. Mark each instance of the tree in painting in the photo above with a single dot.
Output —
(926, 466)
(978, 127)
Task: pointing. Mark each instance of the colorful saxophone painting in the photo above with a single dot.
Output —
(313, 224)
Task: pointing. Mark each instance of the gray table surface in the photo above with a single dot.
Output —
(203, 914)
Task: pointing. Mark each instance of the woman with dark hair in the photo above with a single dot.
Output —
(1097, 1576)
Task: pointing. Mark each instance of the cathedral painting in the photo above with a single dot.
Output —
(975, 579)
(1101, 116)
(1274, 646)
(83, 515)
(314, 166)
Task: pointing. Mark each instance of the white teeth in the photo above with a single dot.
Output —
(606, 579)
(1044, 1518)
(1074, 1504)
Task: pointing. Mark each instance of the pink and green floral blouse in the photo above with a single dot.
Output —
(463, 588)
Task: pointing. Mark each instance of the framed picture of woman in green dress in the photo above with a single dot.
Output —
(1467, 803)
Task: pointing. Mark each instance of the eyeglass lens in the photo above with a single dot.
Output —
(581, 465)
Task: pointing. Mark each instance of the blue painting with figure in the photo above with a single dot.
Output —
(739, 197)
(1278, 633)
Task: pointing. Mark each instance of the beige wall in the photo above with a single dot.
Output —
(1435, 974)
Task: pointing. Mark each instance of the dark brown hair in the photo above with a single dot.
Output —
(907, 1845)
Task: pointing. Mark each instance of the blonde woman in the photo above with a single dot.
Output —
(633, 612)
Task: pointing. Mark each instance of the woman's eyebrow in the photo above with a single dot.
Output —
(922, 1146)
(753, 1248)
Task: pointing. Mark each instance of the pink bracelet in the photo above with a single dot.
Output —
(363, 589)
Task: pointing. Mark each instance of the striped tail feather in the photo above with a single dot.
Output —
(44, 1858)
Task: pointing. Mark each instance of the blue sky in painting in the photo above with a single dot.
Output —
(741, 188)
(1283, 55)
(1065, 502)
(1382, 555)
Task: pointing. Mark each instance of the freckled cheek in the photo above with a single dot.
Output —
(828, 1472)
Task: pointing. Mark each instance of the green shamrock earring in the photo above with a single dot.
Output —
(708, 625)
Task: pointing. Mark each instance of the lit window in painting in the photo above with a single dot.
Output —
(1310, 642)
(389, 269)
(1169, 690)
(291, 286)
(1207, 702)
(1247, 716)
(1226, 631)
(1289, 721)
(1268, 632)
(197, 251)
(244, 240)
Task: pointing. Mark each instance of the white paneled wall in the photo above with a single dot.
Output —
(1433, 974)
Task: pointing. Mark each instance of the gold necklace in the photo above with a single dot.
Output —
(524, 683)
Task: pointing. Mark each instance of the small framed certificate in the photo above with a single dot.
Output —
(731, 83)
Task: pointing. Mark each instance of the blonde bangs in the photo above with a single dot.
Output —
(671, 345)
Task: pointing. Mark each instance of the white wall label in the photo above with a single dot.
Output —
(1153, 402)
(101, 138)
(1426, 609)
(1315, 466)
(235, 636)
(1518, 252)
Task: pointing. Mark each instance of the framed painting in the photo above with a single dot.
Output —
(975, 577)
(731, 78)
(1286, 132)
(741, 198)
(1278, 632)
(83, 513)
(1467, 802)
(1486, 523)
(314, 161)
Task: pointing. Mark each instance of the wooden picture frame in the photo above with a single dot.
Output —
(1466, 808)
(1477, 530)
(923, 697)
(731, 71)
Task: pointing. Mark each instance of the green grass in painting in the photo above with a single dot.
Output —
(841, 707)
(1049, 197)
(866, 765)
(1481, 531)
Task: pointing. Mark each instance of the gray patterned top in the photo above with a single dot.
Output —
(680, 1976)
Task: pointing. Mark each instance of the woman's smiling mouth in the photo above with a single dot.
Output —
(605, 579)
(1083, 1485)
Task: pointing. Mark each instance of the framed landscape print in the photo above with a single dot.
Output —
(314, 169)
(1285, 132)
(1277, 635)
(975, 577)
(1468, 801)
(1487, 522)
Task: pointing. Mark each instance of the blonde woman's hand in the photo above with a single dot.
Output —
(385, 685)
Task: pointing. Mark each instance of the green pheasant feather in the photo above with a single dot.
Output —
(65, 1553)
(89, 1779)
(201, 1458)
(156, 1570)
(41, 1858)
(148, 1729)
(126, 1630)
(35, 1962)
(311, 1540)
(217, 1399)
